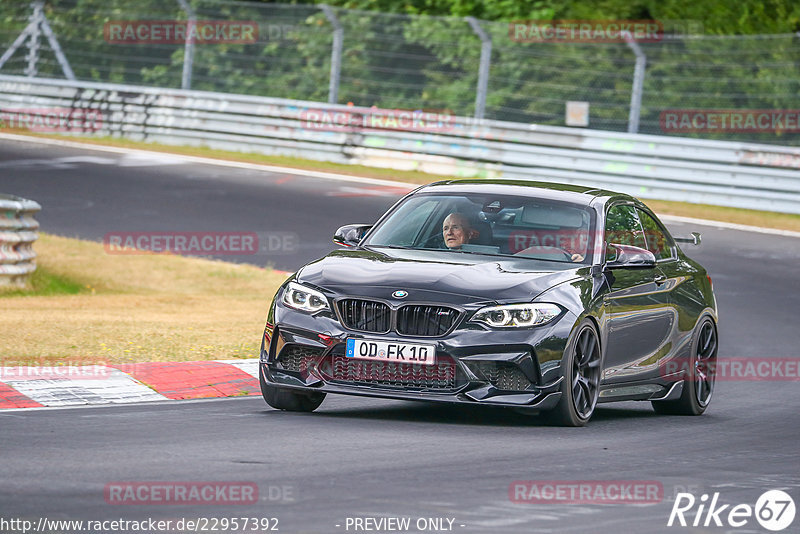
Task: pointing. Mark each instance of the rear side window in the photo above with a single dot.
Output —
(623, 227)
(658, 241)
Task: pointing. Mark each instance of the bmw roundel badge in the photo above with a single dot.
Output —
(400, 294)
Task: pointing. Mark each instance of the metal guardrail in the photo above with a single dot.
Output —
(722, 173)
(17, 234)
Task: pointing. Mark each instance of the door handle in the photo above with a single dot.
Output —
(660, 279)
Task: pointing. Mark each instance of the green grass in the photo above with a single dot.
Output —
(45, 283)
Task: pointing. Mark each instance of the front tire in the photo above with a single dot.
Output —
(284, 399)
(699, 382)
(580, 386)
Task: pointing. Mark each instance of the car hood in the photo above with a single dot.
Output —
(431, 275)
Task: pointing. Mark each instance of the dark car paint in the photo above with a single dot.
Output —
(501, 279)
(645, 315)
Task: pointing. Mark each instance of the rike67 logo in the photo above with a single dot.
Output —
(774, 510)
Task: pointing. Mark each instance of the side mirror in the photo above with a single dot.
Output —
(350, 235)
(694, 240)
(628, 256)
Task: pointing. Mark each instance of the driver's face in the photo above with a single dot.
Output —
(456, 231)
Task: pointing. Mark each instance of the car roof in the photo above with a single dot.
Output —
(578, 194)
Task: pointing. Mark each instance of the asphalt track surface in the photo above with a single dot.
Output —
(357, 457)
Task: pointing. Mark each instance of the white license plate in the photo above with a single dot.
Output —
(391, 351)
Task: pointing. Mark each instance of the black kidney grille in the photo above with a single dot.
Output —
(365, 315)
(424, 320)
(412, 319)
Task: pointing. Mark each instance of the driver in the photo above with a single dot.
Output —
(457, 230)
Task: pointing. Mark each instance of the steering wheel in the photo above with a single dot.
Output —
(434, 241)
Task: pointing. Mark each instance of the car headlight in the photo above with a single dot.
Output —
(517, 315)
(304, 298)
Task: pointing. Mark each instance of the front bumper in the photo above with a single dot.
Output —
(475, 365)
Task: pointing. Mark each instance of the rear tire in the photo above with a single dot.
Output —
(285, 399)
(582, 367)
(699, 382)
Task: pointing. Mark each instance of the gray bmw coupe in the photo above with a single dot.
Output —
(535, 296)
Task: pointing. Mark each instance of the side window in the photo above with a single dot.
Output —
(407, 222)
(658, 241)
(623, 228)
(409, 228)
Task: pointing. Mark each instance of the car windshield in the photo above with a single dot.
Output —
(493, 225)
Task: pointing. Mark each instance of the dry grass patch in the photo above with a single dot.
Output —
(767, 219)
(134, 308)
